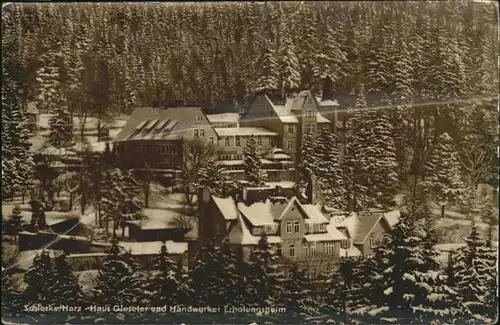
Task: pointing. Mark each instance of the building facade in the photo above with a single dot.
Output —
(291, 119)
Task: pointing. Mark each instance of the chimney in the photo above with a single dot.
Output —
(245, 194)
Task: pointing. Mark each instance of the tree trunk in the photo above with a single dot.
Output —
(443, 207)
(114, 229)
(123, 230)
(146, 194)
(71, 201)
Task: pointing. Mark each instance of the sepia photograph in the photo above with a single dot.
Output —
(250, 163)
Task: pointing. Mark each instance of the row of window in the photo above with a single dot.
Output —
(309, 249)
(310, 228)
(231, 157)
(292, 227)
(237, 141)
(165, 149)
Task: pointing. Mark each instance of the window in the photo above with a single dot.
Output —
(312, 247)
(211, 139)
(259, 141)
(238, 141)
(290, 145)
(309, 101)
(289, 227)
(202, 133)
(296, 227)
(226, 142)
(309, 113)
(322, 227)
(292, 250)
(330, 248)
(257, 231)
(344, 244)
(195, 133)
(199, 118)
(310, 128)
(305, 249)
(217, 228)
(163, 149)
(373, 241)
(291, 129)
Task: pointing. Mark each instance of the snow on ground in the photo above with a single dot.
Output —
(283, 184)
(87, 280)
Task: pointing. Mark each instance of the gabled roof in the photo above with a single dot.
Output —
(224, 118)
(227, 207)
(368, 222)
(241, 235)
(32, 108)
(284, 115)
(321, 119)
(144, 123)
(314, 214)
(262, 213)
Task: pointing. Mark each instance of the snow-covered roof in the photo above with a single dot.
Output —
(392, 217)
(334, 233)
(284, 115)
(352, 251)
(227, 207)
(53, 151)
(262, 213)
(224, 118)
(244, 131)
(321, 119)
(152, 248)
(266, 162)
(32, 108)
(368, 222)
(157, 219)
(277, 153)
(328, 102)
(170, 123)
(240, 235)
(314, 214)
(282, 184)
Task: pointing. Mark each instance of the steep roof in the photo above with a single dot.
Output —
(147, 123)
(360, 226)
(368, 222)
(287, 111)
(227, 207)
(32, 108)
(224, 118)
(241, 235)
(262, 213)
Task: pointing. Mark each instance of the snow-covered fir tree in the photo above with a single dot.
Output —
(476, 277)
(269, 76)
(65, 289)
(289, 67)
(39, 278)
(17, 158)
(308, 161)
(442, 172)
(165, 285)
(296, 297)
(252, 164)
(61, 131)
(232, 272)
(112, 197)
(402, 285)
(370, 157)
(329, 60)
(213, 175)
(205, 277)
(11, 297)
(263, 277)
(14, 223)
(329, 171)
(117, 282)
